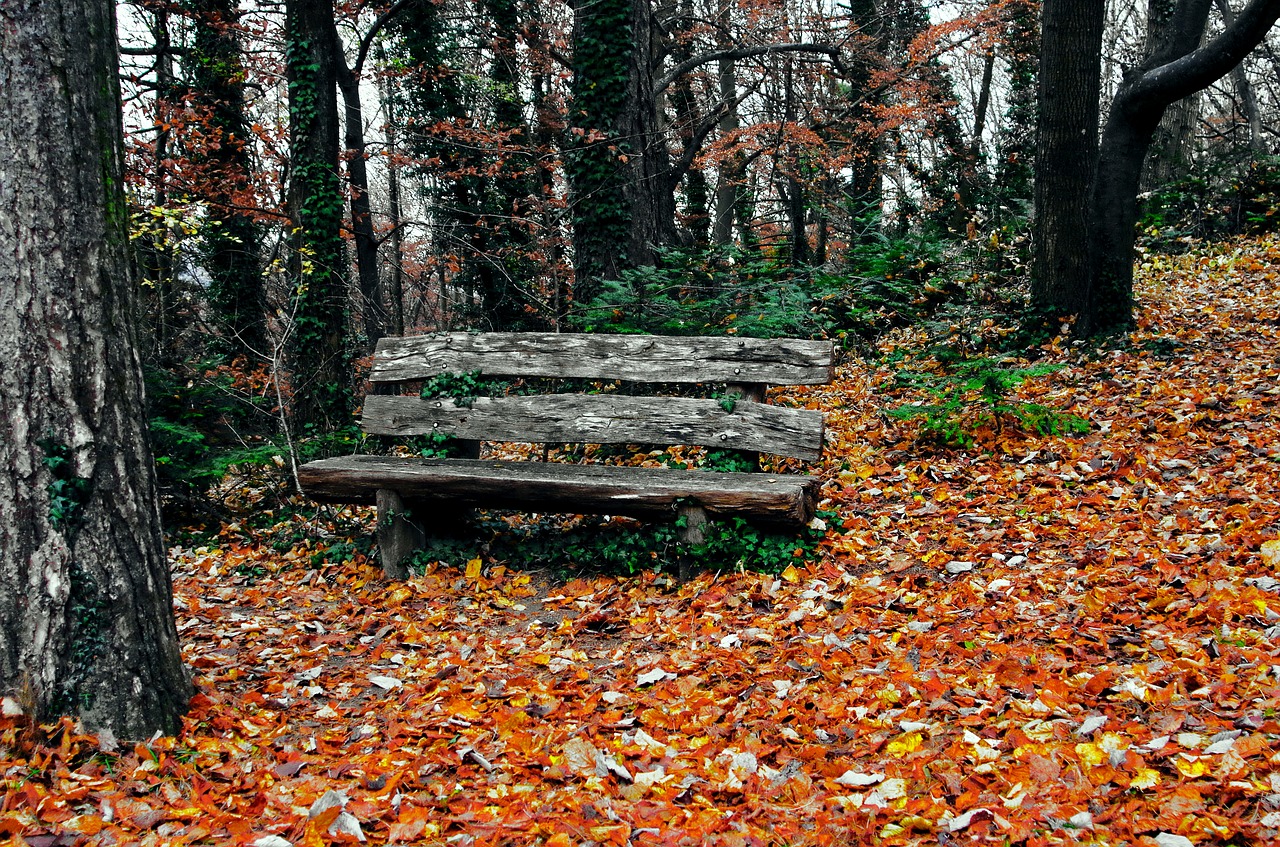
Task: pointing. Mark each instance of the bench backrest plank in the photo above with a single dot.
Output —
(603, 419)
(638, 358)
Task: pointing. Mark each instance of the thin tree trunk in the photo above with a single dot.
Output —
(157, 257)
(86, 609)
(366, 242)
(395, 282)
(795, 195)
(1244, 90)
(732, 170)
(236, 294)
(984, 104)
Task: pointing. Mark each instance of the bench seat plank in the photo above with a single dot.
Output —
(572, 489)
(640, 358)
(603, 419)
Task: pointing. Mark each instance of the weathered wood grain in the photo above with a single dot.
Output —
(574, 489)
(604, 419)
(640, 358)
(398, 537)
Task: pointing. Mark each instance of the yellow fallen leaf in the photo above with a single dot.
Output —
(1091, 754)
(1145, 778)
(473, 569)
(1190, 768)
(791, 574)
(1113, 741)
(1271, 553)
(904, 744)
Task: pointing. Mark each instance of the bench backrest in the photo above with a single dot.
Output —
(746, 365)
(639, 358)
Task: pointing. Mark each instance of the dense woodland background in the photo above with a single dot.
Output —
(306, 177)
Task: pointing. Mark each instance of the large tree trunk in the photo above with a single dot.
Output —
(86, 616)
(1066, 149)
(619, 165)
(1173, 71)
(317, 260)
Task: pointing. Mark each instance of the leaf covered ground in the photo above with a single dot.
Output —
(1036, 640)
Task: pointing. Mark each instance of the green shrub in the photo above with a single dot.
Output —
(973, 394)
(721, 292)
(1223, 195)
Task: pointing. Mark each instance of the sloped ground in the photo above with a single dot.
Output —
(1040, 640)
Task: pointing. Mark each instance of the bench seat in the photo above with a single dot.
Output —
(782, 499)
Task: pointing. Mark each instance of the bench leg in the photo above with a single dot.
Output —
(398, 536)
(693, 534)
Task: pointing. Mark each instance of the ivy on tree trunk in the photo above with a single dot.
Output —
(316, 348)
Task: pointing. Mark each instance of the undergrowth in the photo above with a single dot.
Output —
(970, 395)
(620, 545)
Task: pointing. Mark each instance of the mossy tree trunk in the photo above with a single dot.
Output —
(597, 160)
(86, 614)
(316, 348)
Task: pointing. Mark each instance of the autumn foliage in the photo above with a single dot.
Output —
(1036, 641)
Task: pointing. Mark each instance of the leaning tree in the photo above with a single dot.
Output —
(1179, 66)
(1087, 194)
(86, 615)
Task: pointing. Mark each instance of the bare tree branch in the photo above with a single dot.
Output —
(663, 82)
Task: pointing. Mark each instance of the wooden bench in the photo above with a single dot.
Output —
(418, 495)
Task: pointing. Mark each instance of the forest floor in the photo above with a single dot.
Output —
(1037, 640)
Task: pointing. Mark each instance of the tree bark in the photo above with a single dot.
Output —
(732, 170)
(1173, 143)
(1066, 150)
(86, 615)
(372, 310)
(395, 270)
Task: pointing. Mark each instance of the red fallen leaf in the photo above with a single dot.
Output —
(1010, 674)
(1042, 769)
(147, 820)
(1100, 682)
(406, 831)
(65, 839)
